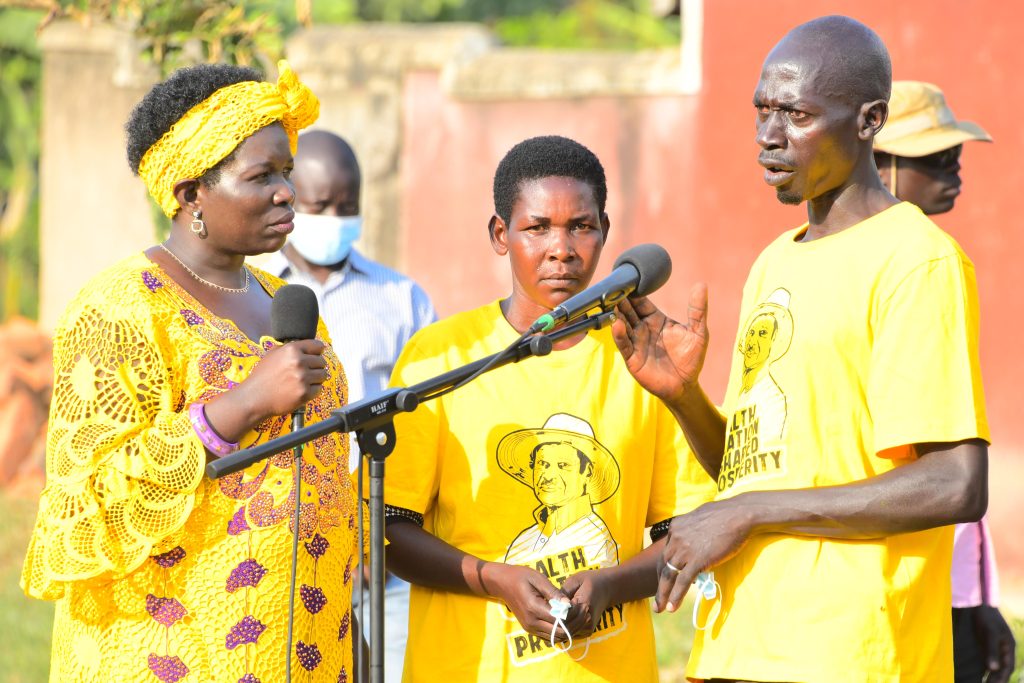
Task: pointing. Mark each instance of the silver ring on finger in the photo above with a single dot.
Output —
(674, 569)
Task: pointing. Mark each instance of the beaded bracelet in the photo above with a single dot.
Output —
(660, 529)
(210, 438)
(393, 513)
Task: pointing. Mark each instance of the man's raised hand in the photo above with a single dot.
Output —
(663, 355)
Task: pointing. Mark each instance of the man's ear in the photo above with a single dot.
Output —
(499, 235)
(871, 118)
(187, 193)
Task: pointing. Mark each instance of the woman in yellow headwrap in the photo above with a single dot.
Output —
(164, 361)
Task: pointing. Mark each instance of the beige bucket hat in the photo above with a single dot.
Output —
(921, 123)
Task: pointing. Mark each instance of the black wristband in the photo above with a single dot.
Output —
(393, 513)
(660, 530)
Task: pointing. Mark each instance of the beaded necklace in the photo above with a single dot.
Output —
(229, 290)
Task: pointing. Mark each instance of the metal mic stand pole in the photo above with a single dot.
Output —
(298, 420)
(377, 444)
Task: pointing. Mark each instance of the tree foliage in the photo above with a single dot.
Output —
(591, 24)
(19, 163)
(251, 32)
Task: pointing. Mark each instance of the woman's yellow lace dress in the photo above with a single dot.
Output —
(159, 573)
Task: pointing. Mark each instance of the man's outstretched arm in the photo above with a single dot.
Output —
(945, 484)
(421, 558)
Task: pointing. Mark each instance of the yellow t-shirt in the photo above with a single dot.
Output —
(556, 463)
(850, 345)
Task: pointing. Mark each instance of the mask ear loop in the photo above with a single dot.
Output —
(707, 589)
(892, 175)
(560, 610)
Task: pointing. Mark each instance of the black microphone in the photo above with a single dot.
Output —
(294, 313)
(639, 270)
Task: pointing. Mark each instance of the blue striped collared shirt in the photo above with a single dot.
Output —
(370, 311)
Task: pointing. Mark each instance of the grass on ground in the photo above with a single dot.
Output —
(25, 624)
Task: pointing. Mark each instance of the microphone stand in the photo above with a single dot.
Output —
(372, 420)
(298, 420)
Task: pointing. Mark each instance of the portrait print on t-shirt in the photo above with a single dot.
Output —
(570, 473)
(754, 448)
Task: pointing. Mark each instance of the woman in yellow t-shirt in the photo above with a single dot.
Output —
(534, 483)
(164, 361)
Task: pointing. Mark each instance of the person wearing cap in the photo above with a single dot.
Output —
(918, 150)
(354, 293)
(917, 154)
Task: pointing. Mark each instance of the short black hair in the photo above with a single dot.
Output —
(168, 101)
(546, 156)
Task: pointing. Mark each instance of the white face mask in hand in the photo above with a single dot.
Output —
(707, 589)
(560, 610)
(325, 240)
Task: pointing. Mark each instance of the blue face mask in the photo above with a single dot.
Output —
(325, 240)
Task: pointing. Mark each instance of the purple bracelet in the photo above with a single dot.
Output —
(210, 438)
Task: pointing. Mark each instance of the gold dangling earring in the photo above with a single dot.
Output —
(197, 226)
(892, 177)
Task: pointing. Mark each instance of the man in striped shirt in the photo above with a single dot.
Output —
(370, 310)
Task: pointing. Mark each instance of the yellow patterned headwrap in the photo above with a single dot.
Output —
(212, 129)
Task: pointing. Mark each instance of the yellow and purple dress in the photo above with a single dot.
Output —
(159, 573)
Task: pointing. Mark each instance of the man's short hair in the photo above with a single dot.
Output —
(546, 156)
(856, 64)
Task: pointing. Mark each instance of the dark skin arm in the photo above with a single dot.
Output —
(997, 643)
(524, 590)
(420, 557)
(592, 592)
(946, 483)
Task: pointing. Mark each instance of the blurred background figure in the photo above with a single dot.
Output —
(918, 150)
(370, 310)
(918, 158)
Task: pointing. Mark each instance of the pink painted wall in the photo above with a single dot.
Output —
(682, 172)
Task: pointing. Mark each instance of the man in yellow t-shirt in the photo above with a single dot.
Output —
(829, 537)
(534, 482)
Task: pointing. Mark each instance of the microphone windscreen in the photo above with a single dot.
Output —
(294, 313)
(652, 262)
